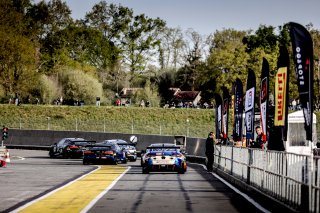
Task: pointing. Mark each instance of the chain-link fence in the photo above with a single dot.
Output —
(103, 125)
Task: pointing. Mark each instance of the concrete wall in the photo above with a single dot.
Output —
(195, 146)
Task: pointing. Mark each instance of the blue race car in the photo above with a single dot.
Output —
(99, 154)
(121, 154)
(164, 158)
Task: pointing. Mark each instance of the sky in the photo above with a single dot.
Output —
(208, 16)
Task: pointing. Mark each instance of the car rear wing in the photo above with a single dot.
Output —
(98, 145)
(163, 147)
(128, 144)
(82, 143)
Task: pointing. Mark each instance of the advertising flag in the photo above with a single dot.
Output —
(303, 59)
(278, 119)
(280, 97)
(218, 118)
(264, 98)
(249, 104)
(226, 100)
(238, 110)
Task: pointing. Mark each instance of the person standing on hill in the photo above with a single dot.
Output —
(209, 151)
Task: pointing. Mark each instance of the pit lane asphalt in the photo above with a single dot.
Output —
(195, 191)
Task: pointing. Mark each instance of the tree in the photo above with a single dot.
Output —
(170, 48)
(140, 41)
(17, 50)
(264, 38)
(228, 58)
(111, 20)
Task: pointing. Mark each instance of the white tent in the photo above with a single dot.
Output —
(296, 137)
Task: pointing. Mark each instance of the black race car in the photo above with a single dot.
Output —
(69, 148)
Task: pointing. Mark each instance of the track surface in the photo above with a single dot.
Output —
(36, 175)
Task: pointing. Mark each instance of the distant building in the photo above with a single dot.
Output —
(190, 97)
(126, 95)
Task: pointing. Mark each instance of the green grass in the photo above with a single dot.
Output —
(157, 121)
(109, 119)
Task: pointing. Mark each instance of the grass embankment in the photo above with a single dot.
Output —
(113, 119)
(191, 122)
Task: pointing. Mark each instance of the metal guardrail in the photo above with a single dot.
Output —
(290, 178)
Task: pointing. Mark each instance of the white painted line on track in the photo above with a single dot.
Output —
(105, 191)
(50, 193)
(19, 158)
(245, 196)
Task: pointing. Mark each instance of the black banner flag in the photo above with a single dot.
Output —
(238, 110)
(264, 98)
(226, 100)
(303, 58)
(218, 116)
(249, 104)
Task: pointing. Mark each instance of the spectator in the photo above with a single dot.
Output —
(294, 104)
(16, 99)
(258, 143)
(209, 151)
(118, 102)
(142, 104)
(147, 104)
(97, 101)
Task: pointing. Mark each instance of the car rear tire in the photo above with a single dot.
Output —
(181, 171)
(51, 154)
(145, 170)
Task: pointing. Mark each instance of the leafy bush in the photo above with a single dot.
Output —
(78, 85)
(49, 89)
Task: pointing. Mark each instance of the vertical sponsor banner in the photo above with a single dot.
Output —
(226, 100)
(232, 107)
(249, 104)
(238, 110)
(278, 119)
(280, 97)
(264, 98)
(303, 59)
(283, 61)
(218, 118)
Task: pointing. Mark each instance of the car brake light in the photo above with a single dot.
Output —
(108, 152)
(87, 152)
(74, 147)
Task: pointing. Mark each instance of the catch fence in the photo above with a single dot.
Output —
(290, 178)
(113, 126)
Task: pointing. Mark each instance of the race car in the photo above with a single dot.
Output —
(129, 149)
(164, 158)
(149, 148)
(100, 154)
(121, 154)
(69, 148)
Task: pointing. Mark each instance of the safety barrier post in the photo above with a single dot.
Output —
(250, 160)
(304, 198)
(232, 157)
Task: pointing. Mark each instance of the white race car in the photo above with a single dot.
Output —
(164, 157)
